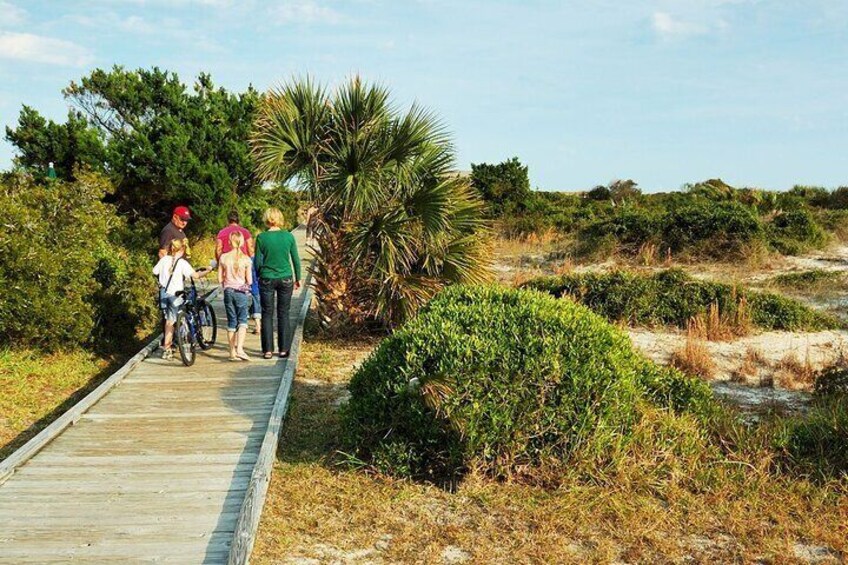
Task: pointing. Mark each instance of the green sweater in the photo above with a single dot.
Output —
(276, 252)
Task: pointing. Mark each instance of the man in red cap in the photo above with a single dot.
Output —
(174, 230)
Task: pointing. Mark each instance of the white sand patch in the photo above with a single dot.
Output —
(818, 349)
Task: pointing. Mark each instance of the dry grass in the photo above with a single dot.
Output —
(648, 254)
(36, 388)
(753, 363)
(794, 374)
(694, 357)
(319, 511)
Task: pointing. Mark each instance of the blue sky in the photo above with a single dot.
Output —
(584, 92)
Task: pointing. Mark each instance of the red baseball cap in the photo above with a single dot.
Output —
(182, 212)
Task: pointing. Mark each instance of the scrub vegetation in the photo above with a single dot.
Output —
(683, 490)
(672, 297)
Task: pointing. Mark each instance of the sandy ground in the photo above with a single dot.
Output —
(769, 368)
(769, 353)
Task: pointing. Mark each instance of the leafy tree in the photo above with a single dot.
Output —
(713, 189)
(617, 191)
(392, 222)
(506, 186)
(622, 191)
(162, 144)
(68, 146)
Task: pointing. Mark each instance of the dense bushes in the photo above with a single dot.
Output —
(714, 229)
(67, 278)
(672, 297)
(708, 220)
(510, 381)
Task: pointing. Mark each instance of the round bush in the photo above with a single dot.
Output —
(715, 229)
(513, 382)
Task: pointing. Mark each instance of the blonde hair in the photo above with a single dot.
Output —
(273, 218)
(236, 258)
(236, 242)
(175, 246)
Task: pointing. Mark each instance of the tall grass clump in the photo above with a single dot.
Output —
(672, 297)
(510, 382)
(816, 445)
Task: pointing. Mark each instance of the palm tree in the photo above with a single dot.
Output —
(393, 222)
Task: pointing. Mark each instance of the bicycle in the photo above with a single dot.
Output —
(196, 325)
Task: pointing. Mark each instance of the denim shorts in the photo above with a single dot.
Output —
(236, 305)
(170, 305)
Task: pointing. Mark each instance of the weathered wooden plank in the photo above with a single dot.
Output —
(209, 557)
(98, 531)
(215, 484)
(48, 458)
(69, 472)
(138, 500)
(194, 551)
(248, 522)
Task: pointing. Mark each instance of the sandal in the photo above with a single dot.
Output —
(268, 355)
(243, 356)
(284, 354)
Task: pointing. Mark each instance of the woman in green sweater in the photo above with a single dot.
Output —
(278, 265)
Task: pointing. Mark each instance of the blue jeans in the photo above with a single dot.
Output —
(170, 305)
(255, 305)
(279, 290)
(236, 304)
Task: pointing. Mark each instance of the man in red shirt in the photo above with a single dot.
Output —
(222, 243)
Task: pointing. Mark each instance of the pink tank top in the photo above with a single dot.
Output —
(235, 275)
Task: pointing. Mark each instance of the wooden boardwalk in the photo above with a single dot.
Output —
(155, 472)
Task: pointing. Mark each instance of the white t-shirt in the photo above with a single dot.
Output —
(163, 271)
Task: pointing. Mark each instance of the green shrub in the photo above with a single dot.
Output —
(713, 229)
(802, 280)
(68, 279)
(775, 312)
(672, 297)
(631, 227)
(509, 381)
(795, 231)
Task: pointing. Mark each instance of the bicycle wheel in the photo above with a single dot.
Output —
(185, 341)
(207, 325)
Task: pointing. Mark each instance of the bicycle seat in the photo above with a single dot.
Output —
(179, 293)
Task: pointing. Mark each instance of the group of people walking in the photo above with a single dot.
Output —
(257, 275)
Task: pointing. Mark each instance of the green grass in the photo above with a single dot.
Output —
(35, 388)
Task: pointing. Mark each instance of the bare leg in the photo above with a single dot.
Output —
(231, 339)
(169, 334)
(241, 335)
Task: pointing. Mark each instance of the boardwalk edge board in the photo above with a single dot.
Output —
(73, 415)
(251, 510)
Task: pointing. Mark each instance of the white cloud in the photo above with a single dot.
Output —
(304, 12)
(668, 27)
(11, 15)
(40, 49)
